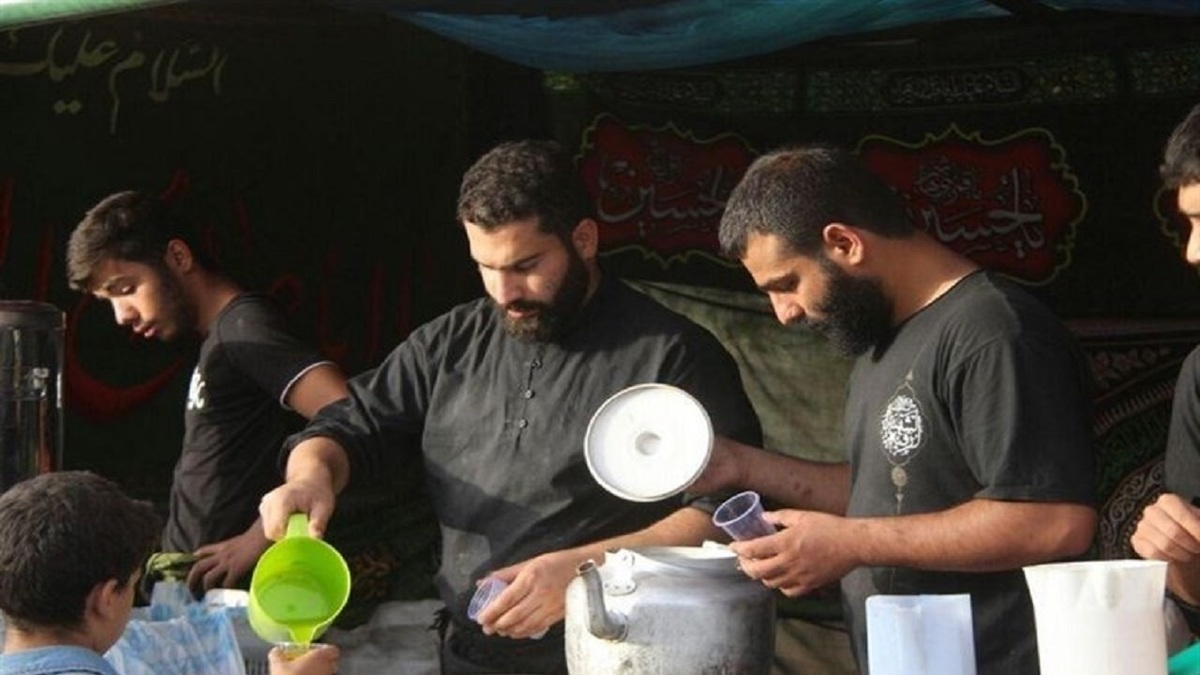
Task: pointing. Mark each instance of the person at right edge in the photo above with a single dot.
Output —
(1170, 527)
(967, 422)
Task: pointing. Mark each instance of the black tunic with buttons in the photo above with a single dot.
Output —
(501, 423)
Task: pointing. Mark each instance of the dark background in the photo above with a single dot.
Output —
(322, 151)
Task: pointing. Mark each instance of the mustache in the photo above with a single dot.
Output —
(819, 326)
(524, 305)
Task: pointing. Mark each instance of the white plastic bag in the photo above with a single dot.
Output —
(173, 638)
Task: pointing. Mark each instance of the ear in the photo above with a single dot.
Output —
(843, 244)
(178, 255)
(105, 601)
(586, 238)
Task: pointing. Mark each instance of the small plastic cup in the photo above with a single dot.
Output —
(741, 516)
(489, 589)
(290, 651)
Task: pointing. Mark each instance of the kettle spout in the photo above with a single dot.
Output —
(602, 623)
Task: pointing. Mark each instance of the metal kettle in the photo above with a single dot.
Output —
(669, 611)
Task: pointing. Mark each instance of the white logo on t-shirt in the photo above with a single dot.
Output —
(902, 428)
(195, 400)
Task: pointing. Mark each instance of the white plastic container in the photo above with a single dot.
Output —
(1101, 617)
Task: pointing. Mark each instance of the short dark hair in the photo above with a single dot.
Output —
(523, 179)
(131, 225)
(795, 192)
(1181, 158)
(61, 534)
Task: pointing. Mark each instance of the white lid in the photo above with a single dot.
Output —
(648, 442)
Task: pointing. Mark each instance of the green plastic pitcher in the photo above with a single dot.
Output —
(299, 586)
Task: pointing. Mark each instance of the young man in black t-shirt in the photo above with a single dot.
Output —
(253, 381)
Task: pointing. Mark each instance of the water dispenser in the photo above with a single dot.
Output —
(31, 421)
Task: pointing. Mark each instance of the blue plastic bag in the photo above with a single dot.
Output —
(178, 637)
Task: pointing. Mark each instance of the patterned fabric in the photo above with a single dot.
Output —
(1135, 366)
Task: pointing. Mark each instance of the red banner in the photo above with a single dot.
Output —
(1012, 205)
(661, 188)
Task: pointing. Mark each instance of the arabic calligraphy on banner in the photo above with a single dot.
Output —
(1173, 225)
(123, 68)
(958, 86)
(1012, 205)
(659, 188)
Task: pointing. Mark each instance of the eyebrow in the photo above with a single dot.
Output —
(107, 285)
(781, 283)
(512, 265)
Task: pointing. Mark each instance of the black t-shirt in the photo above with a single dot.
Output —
(982, 394)
(502, 424)
(1182, 468)
(235, 422)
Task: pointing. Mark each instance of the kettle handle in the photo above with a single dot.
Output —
(297, 525)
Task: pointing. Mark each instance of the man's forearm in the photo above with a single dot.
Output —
(319, 460)
(979, 536)
(796, 483)
(256, 532)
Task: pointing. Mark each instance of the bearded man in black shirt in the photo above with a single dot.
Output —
(499, 393)
(967, 422)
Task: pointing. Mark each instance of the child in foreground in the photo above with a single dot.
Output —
(72, 545)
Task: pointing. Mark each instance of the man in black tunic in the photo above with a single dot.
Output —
(499, 392)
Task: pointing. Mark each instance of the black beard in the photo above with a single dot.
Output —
(182, 312)
(555, 318)
(857, 314)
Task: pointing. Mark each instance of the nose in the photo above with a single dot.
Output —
(1191, 251)
(506, 287)
(123, 312)
(786, 311)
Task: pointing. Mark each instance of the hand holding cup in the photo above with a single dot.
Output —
(488, 590)
(741, 516)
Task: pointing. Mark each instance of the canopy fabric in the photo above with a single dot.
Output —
(634, 35)
(15, 13)
(658, 35)
(682, 33)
